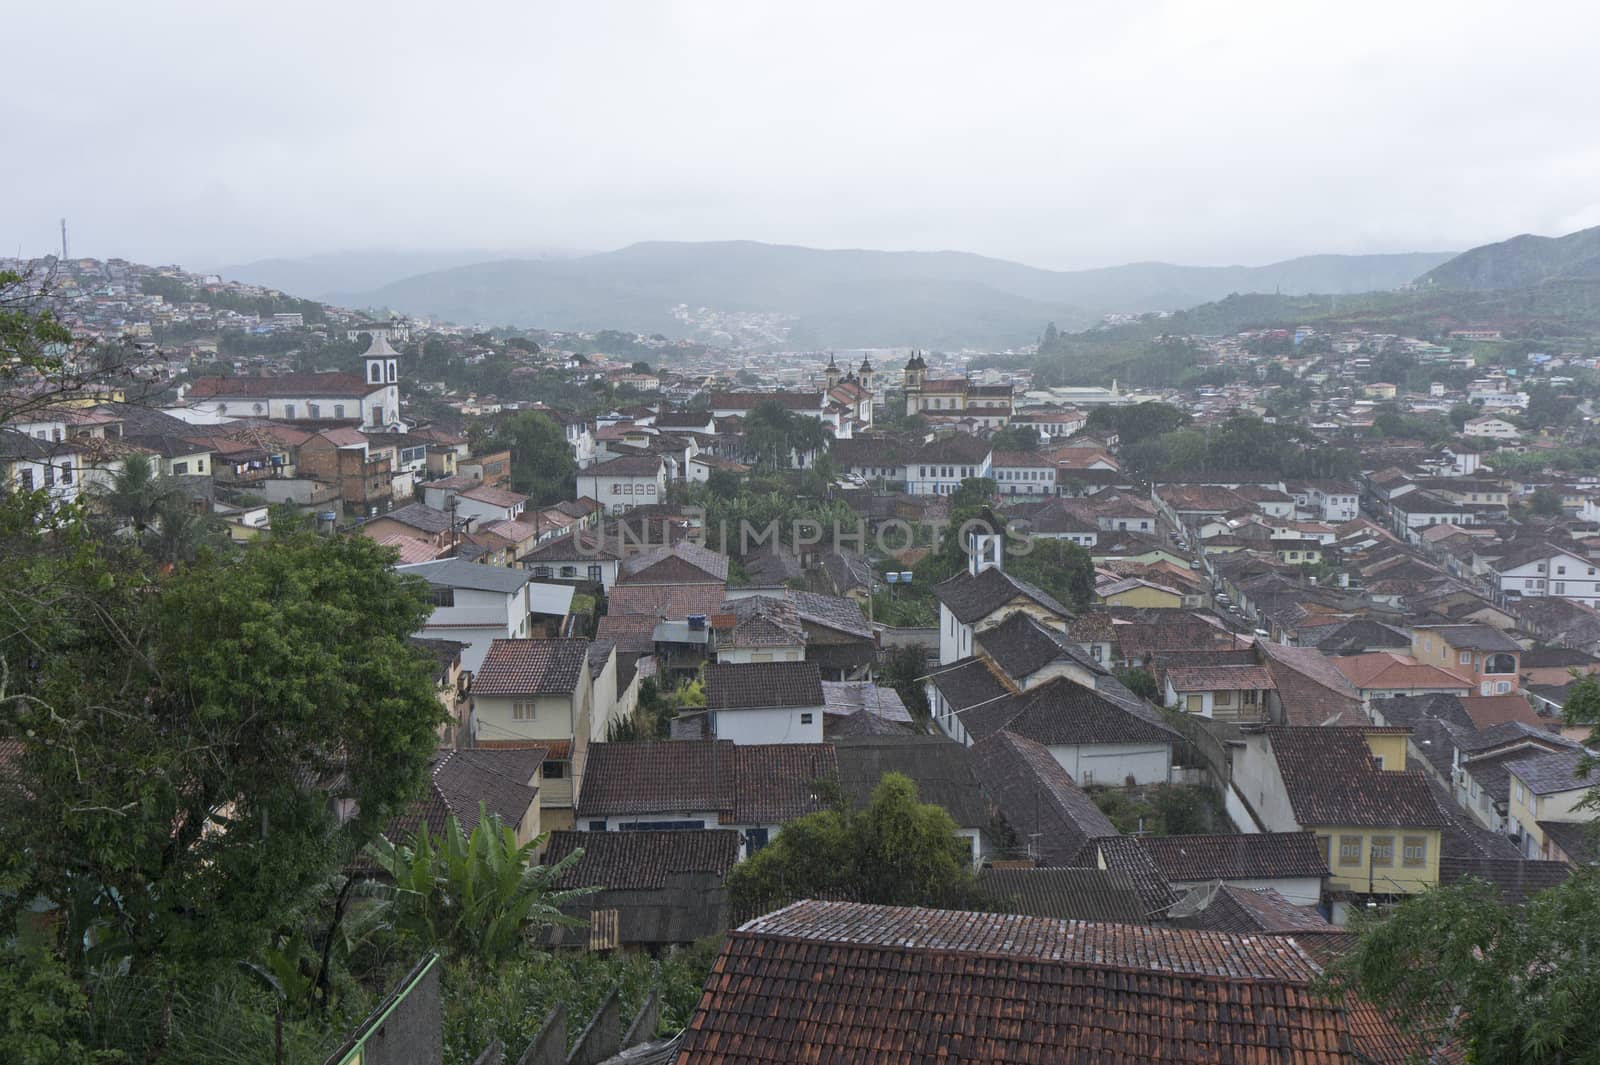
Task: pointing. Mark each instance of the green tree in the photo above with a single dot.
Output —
(44, 1016)
(1138, 421)
(1505, 983)
(476, 896)
(896, 851)
(1545, 502)
(138, 495)
(542, 463)
(1140, 682)
(774, 435)
(903, 669)
(1582, 708)
(1060, 567)
(1016, 438)
(185, 740)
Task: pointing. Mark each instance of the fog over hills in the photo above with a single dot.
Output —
(848, 298)
(1522, 262)
(318, 277)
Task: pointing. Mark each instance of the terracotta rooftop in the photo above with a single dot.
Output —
(1332, 779)
(761, 685)
(850, 983)
(531, 667)
(1247, 856)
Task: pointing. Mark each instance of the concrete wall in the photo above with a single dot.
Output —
(785, 725)
(1113, 763)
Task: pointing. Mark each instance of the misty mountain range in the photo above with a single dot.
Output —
(827, 298)
(853, 298)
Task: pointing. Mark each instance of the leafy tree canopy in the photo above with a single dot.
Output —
(183, 737)
(1510, 983)
(542, 463)
(896, 851)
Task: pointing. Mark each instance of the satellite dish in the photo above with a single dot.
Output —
(1197, 900)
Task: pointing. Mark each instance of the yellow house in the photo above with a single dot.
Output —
(538, 693)
(1546, 788)
(1379, 390)
(1131, 591)
(1375, 820)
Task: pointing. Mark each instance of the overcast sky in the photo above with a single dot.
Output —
(1060, 133)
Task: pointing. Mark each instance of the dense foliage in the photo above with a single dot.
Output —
(1506, 983)
(895, 850)
(542, 463)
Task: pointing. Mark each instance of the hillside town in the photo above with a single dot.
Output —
(1201, 675)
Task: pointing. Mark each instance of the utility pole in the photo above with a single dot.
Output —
(63, 239)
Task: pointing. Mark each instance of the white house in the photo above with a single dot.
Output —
(1487, 425)
(621, 484)
(983, 597)
(765, 702)
(940, 467)
(28, 463)
(1023, 473)
(476, 604)
(1544, 569)
(372, 399)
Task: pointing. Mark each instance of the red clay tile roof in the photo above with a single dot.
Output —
(531, 667)
(461, 779)
(1387, 670)
(1220, 678)
(1038, 798)
(290, 385)
(1247, 856)
(632, 633)
(677, 563)
(641, 861)
(674, 601)
(1311, 689)
(1064, 712)
(743, 784)
(1332, 780)
(848, 983)
(758, 685)
(1487, 711)
(972, 599)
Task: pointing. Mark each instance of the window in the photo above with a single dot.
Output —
(595, 573)
(1561, 588)
(1561, 571)
(569, 572)
(1349, 850)
(288, 410)
(541, 571)
(597, 826)
(1415, 851)
(1521, 792)
(26, 477)
(179, 468)
(49, 475)
(66, 473)
(338, 410)
(1530, 583)
(806, 719)
(1382, 850)
(443, 596)
(523, 711)
(558, 771)
(314, 410)
(1323, 843)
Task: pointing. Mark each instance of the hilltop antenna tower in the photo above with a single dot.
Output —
(63, 239)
